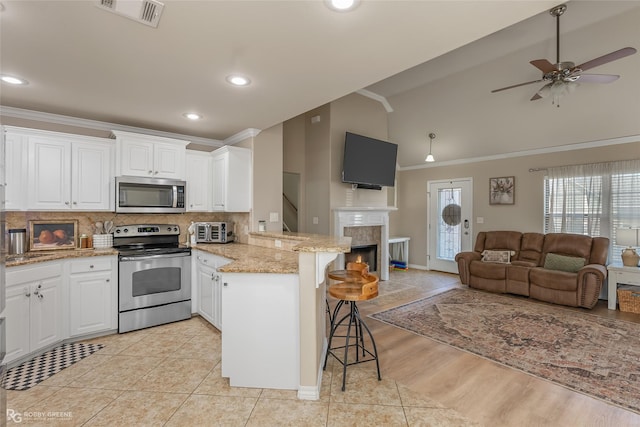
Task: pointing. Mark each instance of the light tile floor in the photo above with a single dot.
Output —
(170, 376)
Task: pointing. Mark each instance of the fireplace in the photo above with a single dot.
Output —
(365, 226)
(363, 253)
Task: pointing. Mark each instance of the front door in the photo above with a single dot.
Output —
(449, 231)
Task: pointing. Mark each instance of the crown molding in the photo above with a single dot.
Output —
(39, 116)
(557, 149)
(381, 99)
(241, 136)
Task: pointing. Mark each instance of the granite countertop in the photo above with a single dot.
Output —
(252, 259)
(42, 256)
(310, 242)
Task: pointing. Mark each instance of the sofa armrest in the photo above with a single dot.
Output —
(464, 261)
(590, 280)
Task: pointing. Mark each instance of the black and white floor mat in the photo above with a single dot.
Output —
(28, 374)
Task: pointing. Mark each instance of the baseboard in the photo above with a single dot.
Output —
(306, 392)
(418, 267)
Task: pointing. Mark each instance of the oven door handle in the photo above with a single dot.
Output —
(146, 257)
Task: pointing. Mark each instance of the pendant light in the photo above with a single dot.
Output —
(430, 157)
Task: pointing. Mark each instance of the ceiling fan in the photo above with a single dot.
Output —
(562, 77)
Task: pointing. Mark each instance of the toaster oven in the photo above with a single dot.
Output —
(214, 232)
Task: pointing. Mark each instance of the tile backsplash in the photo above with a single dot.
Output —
(87, 219)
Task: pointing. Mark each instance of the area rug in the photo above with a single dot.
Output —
(30, 373)
(590, 354)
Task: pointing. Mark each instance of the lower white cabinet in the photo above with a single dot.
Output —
(34, 308)
(261, 337)
(208, 286)
(93, 294)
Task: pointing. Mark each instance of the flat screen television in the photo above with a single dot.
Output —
(369, 162)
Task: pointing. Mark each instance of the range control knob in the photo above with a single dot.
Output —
(175, 228)
(118, 231)
(168, 228)
(126, 230)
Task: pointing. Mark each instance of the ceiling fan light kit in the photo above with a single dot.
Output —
(562, 77)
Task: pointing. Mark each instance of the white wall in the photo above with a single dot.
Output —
(525, 215)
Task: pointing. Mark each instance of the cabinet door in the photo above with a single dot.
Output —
(45, 327)
(219, 193)
(198, 182)
(17, 321)
(136, 157)
(238, 180)
(169, 161)
(217, 301)
(205, 292)
(91, 303)
(49, 180)
(92, 176)
(15, 172)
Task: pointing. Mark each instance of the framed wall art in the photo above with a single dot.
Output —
(53, 235)
(502, 190)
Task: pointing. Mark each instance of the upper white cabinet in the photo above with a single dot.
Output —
(150, 156)
(198, 181)
(57, 171)
(67, 175)
(15, 180)
(231, 170)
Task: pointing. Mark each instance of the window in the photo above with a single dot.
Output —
(593, 199)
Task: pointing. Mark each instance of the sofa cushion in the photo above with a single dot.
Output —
(558, 262)
(552, 279)
(503, 257)
(488, 270)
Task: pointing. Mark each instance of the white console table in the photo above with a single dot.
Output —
(404, 249)
(620, 275)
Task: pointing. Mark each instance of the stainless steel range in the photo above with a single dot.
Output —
(154, 276)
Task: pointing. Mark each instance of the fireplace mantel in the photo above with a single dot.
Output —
(362, 217)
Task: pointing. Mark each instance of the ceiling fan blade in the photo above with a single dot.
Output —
(626, 51)
(598, 78)
(518, 85)
(537, 95)
(543, 65)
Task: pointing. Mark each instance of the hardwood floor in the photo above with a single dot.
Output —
(482, 390)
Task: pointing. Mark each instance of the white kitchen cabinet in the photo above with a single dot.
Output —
(69, 172)
(261, 336)
(231, 169)
(199, 186)
(93, 295)
(34, 307)
(209, 286)
(15, 171)
(149, 156)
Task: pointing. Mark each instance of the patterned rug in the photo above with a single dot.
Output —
(581, 351)
(28, 374)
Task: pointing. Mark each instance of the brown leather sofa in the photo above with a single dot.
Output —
(560, 268)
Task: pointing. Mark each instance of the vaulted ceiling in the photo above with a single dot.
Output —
(82, 61)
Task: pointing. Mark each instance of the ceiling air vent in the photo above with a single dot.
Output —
(145, 11)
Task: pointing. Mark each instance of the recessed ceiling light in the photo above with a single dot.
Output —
(238, 80)
(192, 116)
(13, 80)
(342, 5)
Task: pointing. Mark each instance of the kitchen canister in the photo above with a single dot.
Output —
(17, 241)
(102, 241)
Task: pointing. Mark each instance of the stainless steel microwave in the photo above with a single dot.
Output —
(150, 195)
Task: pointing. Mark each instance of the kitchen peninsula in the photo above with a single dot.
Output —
(273, 294)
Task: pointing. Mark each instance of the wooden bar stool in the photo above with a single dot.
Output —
(356, 284)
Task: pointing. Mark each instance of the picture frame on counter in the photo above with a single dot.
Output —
(52, 235)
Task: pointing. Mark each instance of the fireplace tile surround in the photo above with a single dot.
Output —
(346, 218)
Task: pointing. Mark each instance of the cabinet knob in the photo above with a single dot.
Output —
(75, 203)
(224, 284)
(39, 285)
(108, 280)
(66, 203)
(40, 296)
(155, 173)
(28, 294)
(150, 172)
(91, 266)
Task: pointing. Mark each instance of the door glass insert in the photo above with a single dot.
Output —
(156, 280)
(449, 228)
